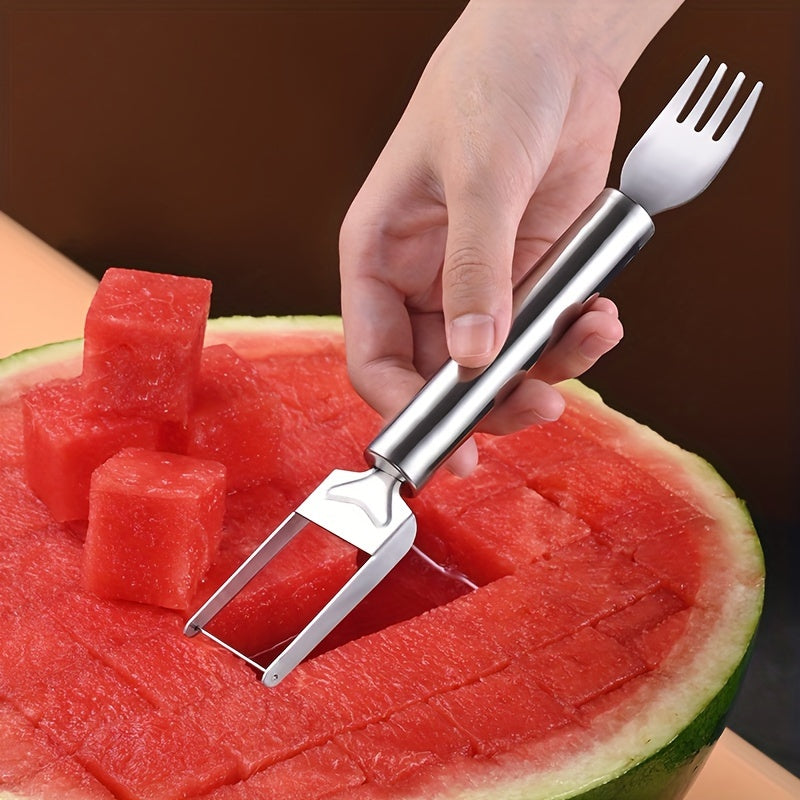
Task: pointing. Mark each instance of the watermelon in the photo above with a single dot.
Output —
(65, 443)
(155, 521)
(144, 334)
(619, 586)
(234, 417)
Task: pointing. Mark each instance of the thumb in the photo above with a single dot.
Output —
(476, 276)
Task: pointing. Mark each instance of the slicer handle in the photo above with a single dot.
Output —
(447, 409)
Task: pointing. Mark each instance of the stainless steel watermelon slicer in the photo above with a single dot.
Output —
(671, 164)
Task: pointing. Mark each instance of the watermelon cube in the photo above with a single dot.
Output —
(312, 774)
(154, 525)
(64, 443)
(495, 536)
(235, 418)
(582, 666)
(143, 337)
(390, 749)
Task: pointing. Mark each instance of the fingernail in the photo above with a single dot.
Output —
(471, 336)
(552, 409)
(464, 460)
(594, 346)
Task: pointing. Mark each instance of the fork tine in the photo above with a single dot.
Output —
(722, 109)
(739, 122)
(693, 117)
(680, 98)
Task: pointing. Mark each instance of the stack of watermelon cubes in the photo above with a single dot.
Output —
(141, 445)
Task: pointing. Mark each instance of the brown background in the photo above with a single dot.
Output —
(226, 139)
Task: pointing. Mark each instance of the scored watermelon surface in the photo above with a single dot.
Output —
(620, 583)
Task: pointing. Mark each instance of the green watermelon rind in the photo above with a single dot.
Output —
(50, 360)
(669, 749)
(670, 771)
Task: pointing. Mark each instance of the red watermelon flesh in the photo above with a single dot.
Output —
(65, 442)
(390, 750)
(286, 594)
(513, 527)
(508, 682)
(283, 597)
(336, 432)
(30, 760)
(317, 772)
(154, 525)
(235, 418)
(20, 503)
(12, 449)
(644, 624)
(437, 509)
(143, 338)
(411, 588)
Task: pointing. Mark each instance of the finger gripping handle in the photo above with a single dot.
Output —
(449, 407)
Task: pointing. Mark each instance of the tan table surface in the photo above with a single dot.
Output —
(44, 297)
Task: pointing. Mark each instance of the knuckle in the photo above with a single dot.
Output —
(467, 272)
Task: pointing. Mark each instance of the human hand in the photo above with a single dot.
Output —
(506, 139)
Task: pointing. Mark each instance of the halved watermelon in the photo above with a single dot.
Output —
(621, 586)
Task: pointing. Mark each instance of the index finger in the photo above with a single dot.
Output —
(379, 343)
